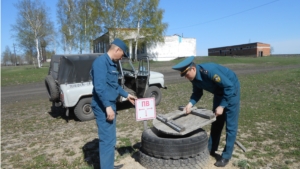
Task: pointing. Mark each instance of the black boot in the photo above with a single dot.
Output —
(222, 162)
(213, 154)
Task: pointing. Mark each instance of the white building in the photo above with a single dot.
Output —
(173, 47)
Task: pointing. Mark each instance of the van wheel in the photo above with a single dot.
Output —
(154, 91)
(52, 88)
(83, 110)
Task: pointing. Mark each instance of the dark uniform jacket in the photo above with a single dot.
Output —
(215, 79)
(105, 80)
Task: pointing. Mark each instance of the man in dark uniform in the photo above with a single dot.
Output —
(224, 85)
(105, 92)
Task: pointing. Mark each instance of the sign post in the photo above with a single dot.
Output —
(145, 110)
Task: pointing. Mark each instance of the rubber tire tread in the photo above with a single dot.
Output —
(52, 88)
(157, 144)
(200, 161)
(154, 89)
(79, 112)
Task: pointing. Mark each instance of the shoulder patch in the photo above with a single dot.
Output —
(216, 78)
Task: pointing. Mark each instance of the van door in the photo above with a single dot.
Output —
(142, 79)
(121, 79)
(121, 74)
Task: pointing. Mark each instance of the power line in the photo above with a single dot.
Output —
(227, 15)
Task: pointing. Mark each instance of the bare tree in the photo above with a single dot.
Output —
(67, 19)
(81, 21)
(53, 42)
(24, 37)
(147, 17)
(46, 41)
(89, 23)
(6, 56)
(32, 23)
(116, 15)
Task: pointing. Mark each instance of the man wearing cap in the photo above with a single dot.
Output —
(224, 85)
(105, 92)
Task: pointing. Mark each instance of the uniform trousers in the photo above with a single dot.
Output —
(230, 117)
(107, 136)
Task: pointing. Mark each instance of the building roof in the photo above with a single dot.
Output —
(254, 43)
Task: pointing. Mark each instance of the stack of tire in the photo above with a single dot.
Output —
(160, 150)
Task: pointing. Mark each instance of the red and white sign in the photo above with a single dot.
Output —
(145, 109)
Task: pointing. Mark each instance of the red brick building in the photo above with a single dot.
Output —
(250, 49)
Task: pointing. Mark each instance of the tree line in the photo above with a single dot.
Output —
(79, 22)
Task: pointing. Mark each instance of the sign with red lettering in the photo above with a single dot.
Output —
(145, 109)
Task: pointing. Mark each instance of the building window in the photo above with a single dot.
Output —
(101, 47)
(143, 48)
(98, 47)
(104, 47)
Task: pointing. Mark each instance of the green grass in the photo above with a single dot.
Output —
(242, 164)
(125, 142)
(16, 75)
(270, 114)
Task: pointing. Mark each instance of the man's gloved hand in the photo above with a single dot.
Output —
(188, 107)
(131, 99)
(110, 113)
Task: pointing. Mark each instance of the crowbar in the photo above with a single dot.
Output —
(169, 121)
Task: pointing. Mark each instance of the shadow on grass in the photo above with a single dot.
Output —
(91, 152)
(124, 105)
(60, 112)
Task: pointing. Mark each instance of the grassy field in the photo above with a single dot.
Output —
(260, 61)
(15, 75)
(269, 123)
(270, 118)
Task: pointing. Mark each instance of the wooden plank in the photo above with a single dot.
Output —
(190, 122)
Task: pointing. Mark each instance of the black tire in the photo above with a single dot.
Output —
(83, 110)
(200, 161)
(52, 88)
(159, 145)
(154, 91)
